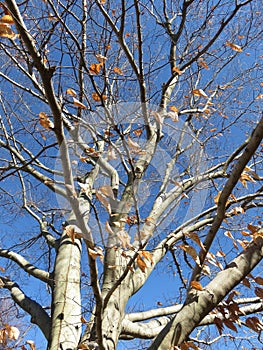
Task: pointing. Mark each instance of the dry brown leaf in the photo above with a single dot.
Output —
(95, 68)
(194, 237)
(79, 104)
(117, 71)
(259, 96)
(259, 280)
(200, 93)
(203, 64)
(45, 121)
(95, 253)
(177, 70)
(259, 292)
(7, 19)
(96, 97)
(141, 264)
(228, 234)
(246, 282)
(196, 285)
(234, 47)
(6, 31)
(191, 251)
(230, 325)
(148, 255)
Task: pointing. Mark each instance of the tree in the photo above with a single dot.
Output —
(131, 138)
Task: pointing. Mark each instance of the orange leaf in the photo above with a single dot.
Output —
(196, 285)
(174, 109)
(141, 264)
(71, 92)
(7, 19)
(234, 47)
(177, 70)
(117, 71)
(95, 68)
(259, 96)
(45, 121)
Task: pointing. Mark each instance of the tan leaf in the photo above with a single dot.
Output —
(142, 265)
(79, 104)
(203, 64)
(259, 96)
(95, 68)
(200, 93)
(234, 47)
(45, 121)
(196, 285)
(194, 237)
(117, 71)
(191, 251)
(228, 234)
(31, 343)
(96, 97)
(101, 58)
(71, 92)
(2, 269)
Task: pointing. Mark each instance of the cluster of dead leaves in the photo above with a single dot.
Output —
(5, 25)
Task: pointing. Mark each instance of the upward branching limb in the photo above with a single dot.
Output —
(35, 310)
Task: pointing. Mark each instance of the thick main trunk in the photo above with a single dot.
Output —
(66, 306)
